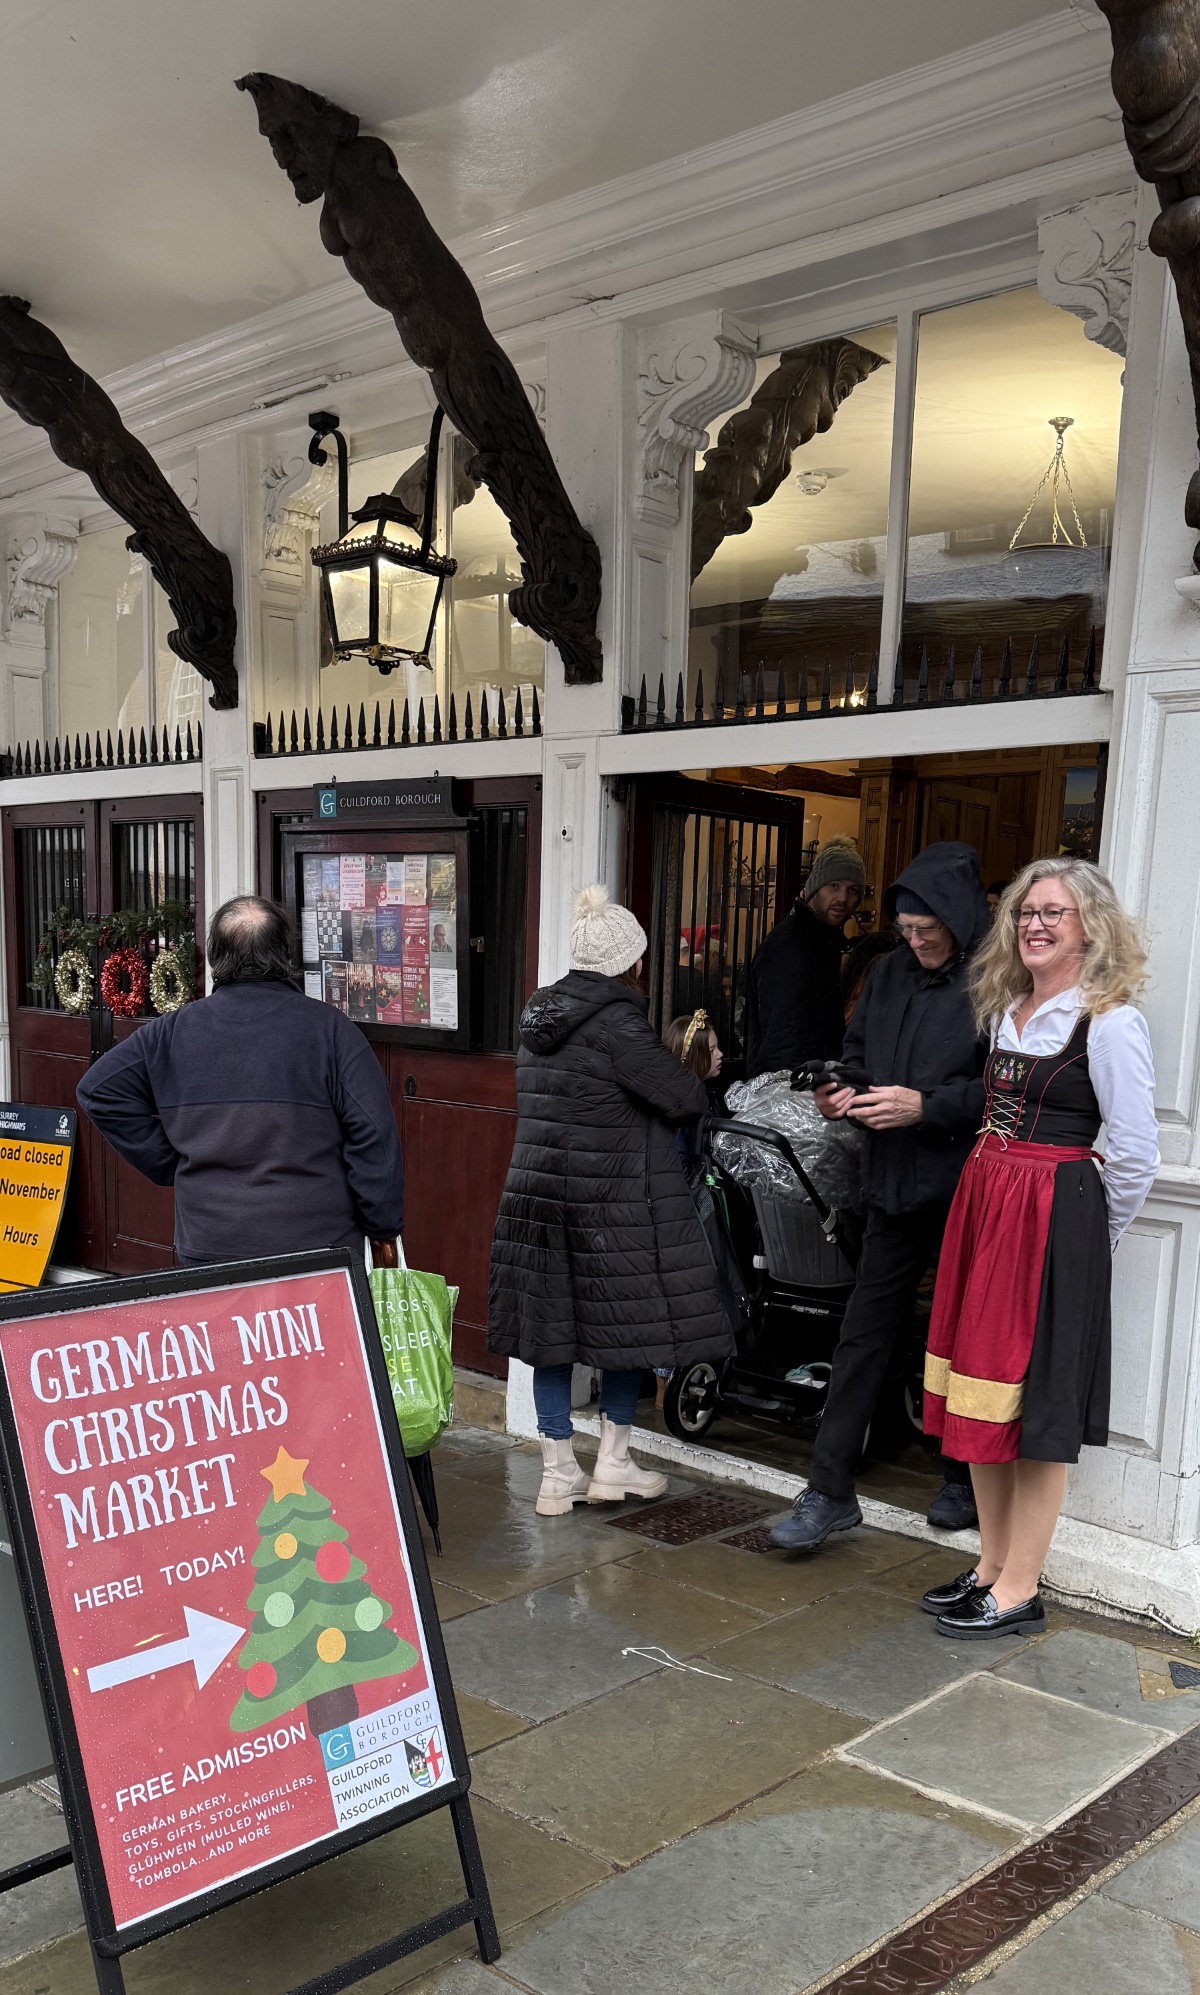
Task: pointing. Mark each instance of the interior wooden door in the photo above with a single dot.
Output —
(997, 814)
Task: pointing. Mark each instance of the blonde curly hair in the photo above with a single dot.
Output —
(1113, 970)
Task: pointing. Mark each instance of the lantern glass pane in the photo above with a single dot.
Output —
(406, 600)
(350, 597)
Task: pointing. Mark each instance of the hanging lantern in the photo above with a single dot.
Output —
(381, 580)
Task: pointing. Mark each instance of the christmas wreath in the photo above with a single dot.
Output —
(171, 979)
(74, 984)
(124, 1000)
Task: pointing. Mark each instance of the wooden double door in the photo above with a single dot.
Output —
(91, 859)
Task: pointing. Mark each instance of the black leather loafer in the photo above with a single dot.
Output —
(980, 1620)
(951, 1593)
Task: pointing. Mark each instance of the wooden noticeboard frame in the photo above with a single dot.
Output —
(132, 1716)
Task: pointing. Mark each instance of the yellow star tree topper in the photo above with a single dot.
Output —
(286, 1475)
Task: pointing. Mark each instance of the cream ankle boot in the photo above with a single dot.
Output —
(616, 1476)
(563, 1481)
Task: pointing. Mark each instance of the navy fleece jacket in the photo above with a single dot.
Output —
(267, 1112)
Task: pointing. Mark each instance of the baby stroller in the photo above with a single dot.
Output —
(786, 1266)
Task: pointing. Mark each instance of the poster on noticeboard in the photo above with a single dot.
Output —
(211, 1513)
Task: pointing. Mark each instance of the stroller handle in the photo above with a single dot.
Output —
(774, 1140)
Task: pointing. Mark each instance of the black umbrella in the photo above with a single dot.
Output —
(420, 1468)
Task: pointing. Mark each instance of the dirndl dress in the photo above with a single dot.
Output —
(1019, 1352)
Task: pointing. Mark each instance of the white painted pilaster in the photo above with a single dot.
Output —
(229, 866)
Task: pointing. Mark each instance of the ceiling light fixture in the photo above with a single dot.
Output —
(1057, 477)
(382, 588)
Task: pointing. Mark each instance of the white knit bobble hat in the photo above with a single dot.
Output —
(605, 939)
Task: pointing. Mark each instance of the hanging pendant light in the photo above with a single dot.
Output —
(381, 580)
(1058, 478)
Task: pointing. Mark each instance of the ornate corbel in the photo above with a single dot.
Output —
(753, 452)
(40, 551)
(294, 492)
(1156, 82)
(45, 387)
(1085, 265)
(687, 375)
(371, 219)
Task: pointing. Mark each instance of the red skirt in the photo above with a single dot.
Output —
(1001, 1319)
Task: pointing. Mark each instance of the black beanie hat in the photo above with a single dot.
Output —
(909, 903)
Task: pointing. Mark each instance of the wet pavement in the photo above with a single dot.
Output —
(703, 1769)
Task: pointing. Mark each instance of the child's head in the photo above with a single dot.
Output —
(692, 1040)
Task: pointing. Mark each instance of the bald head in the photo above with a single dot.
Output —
(251, 940)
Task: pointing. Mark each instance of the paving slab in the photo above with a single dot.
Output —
(961, 1745)
(497, 1546)
(645, 1765)
(772, 1582)
(1103, 1674)
(764, 1904)
(1166, 1879)
(484, 1724)
(284, 1936)
(37, 1912)
(1097, 1947)
(553, 1649)
(451, 1601)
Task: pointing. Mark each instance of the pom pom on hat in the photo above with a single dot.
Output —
(605, 938)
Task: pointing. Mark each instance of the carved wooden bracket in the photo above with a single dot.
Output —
(753, 452)
(688, 373)
(1156, 82)
(374, 222)
(40, 381)
(40, 552)
(1085, 264)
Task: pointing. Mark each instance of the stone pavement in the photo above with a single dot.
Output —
(702, 1769)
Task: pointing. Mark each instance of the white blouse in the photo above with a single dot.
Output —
(1121, 1067)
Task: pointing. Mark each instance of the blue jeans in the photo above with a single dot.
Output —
(552, 1397)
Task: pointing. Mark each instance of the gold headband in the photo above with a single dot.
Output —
(698, 1024)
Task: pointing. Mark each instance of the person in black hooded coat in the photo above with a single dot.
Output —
(913, 1033)
(599, 1257)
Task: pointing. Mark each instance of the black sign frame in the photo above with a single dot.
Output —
(108, 1942)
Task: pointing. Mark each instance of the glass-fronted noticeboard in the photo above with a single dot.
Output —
(382, 917)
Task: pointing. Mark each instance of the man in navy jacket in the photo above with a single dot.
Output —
(267, 1112)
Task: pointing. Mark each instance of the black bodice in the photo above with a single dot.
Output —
(1043, 1098)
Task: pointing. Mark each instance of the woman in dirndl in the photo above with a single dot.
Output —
(1017, 1372)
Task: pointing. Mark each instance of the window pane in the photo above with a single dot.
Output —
(990, 377)
(101, 638)
(178, 687)
(488, 648)
(802, 584)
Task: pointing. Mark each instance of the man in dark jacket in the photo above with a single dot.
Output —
(794, 998)
(914, 1034)
(267, 1112)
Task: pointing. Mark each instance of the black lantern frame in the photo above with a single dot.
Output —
(369, 552)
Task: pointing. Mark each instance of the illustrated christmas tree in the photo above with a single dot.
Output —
(318, 1628)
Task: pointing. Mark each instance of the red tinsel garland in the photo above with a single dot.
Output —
(124, 1002)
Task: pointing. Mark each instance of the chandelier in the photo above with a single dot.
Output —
(1058, 478)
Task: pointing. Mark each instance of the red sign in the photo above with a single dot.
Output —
(245, 1659)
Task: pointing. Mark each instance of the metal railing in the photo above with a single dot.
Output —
(301, 736)
(59, 757)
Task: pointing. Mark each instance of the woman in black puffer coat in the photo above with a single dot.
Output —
(599, 1257)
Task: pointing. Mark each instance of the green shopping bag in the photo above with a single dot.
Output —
(415, 1312)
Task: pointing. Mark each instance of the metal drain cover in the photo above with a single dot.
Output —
(683, 1519)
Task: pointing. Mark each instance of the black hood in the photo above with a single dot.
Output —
(946, 877)
(558, 1010)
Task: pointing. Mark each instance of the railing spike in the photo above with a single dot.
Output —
(518, 716)
(501, 717)
(679, 701)
(120, 749)
(132, 750)
(153, 745)
(320, 731)
(536, 725)
(739, 697)
(348, 730)
(641, 705)
(452, 719)
(57, 757)
(718, 705)
(1088, 684)
(87, 751)
(377, 730)
(484, 729)
(873, 683)
(362, 725)
(178, 754)
(199, 740)
(468, 721)
(294, 736)
(898, 677)
(660, 705)
(280, 739)
(1004, 683)
(760, 694)
(187, 741)
(699, 710)
(437, 719)
(37, 758)
(975, 689)
(802, 685)
(421, 721)
(166, 746)
(142, 747)
(307, 733)
(848, 686)
(923, 677)
(1063, 674)
(405, 731)
(781, 694)
(333, 729)
(825, 686)
(1035, 665)
(948, 679)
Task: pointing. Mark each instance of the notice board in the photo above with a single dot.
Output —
(36, 1146)
(228, 1594)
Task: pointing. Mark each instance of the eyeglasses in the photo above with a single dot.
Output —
(918, 931)
(1024, 917)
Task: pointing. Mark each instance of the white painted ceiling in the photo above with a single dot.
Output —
(141, 208)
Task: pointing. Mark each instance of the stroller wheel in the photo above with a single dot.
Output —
(690, 1401)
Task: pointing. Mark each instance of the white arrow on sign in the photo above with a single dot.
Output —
(207, 1643)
